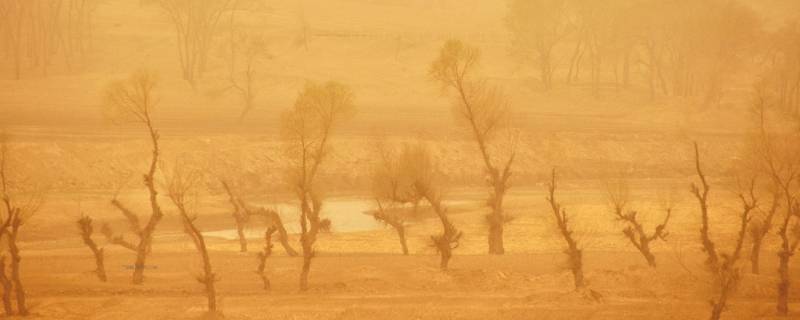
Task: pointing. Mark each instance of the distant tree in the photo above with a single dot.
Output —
(36, 32)
(484, 111)
(722, 266)
(87, 230)
(247, 52)
(179, 182)
(307, 129)
(573, 251)
(427, 183)
(20, 201)
(781, 75)
(618, 197)
(303, 37)
(537, 27)
(133, 100)
(195, 25)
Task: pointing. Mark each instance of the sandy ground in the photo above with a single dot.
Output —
(361, 275)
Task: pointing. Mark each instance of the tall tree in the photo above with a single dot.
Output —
(307, 129)
(133, 100)
(484, 111)
(573, 251)
(722, 266)
(180, 182)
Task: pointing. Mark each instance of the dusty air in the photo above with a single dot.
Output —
(400, 159)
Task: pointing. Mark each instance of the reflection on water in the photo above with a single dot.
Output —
(346, 215)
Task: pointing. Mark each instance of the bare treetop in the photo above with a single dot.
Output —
(131, 100)
(317, 110)
(455, 63)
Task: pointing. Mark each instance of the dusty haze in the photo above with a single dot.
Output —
(400, 159)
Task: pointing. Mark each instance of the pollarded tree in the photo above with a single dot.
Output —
(307, 130)
(87, 230)
(20, 202)
(758, 156)
(392, 188)
(133, 100)
(722, 266)
(179, 182)
(537, 27)
(426, 179)
(778, 156)
(618, 197)
(573, 251)
(484, 111)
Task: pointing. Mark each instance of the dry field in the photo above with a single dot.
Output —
(382, 49)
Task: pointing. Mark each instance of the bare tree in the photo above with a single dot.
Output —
(133, 100)
(393, 187)
(484, 111)
(722, 266)
(426, 180)
(262, 257)
(762, 144)
(243, 214)
(777, 153)
(618, 197)
(35, 32)
(86, 229)
(273, 219)
(20, 202)
(247, 51)
(574, 253)
(389, 215)
(537, 27)
(782, 74)
(179, 182)
(307, 129)
(195, 25)
(240, 215)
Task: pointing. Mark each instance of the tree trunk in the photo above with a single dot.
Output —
(648, 255)
(576, 263)
(496, 233)
(7, 287)
(755, 254)
(446, 254)
(717, 308)
(145, 241)
(401, 233)
(283, 237)
(783, 285)
(85, 225)
(262, 263)
(242, 238)
(19, 291)
(307, 256)
(101, 268)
